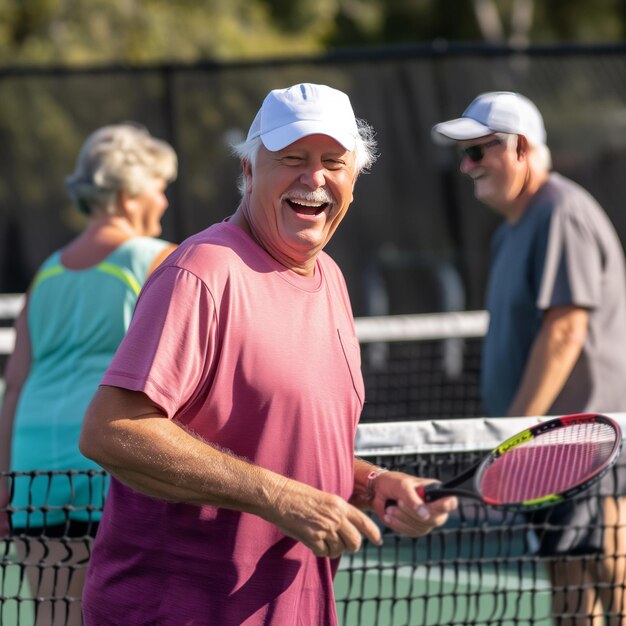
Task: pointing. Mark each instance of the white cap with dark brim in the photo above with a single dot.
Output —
(496, 111)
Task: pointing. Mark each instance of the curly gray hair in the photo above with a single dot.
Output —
(119, 157)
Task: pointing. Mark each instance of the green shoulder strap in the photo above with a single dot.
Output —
(108, 268)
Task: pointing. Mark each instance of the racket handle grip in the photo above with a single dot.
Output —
(430, 492)
(427, 493)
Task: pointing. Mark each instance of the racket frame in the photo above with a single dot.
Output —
(435, 491)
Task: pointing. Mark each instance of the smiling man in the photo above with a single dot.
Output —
(556, 298)
(227, 418)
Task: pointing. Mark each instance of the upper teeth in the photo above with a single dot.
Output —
(306, 203)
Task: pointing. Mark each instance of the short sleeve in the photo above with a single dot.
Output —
(169, 346)
(572, 272)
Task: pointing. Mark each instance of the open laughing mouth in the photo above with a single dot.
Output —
(308, 208)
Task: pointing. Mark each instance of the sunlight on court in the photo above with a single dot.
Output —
(16, 605)
(387, 594)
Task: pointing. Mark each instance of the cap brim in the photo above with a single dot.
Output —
(460, 129)
(280, 138)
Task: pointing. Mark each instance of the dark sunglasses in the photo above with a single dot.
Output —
(477, 152)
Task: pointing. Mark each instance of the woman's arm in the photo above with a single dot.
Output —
(16, 372)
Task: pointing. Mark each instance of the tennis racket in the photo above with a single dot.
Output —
(540, 466)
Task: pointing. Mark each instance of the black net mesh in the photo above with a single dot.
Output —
(415, 239)
(481, 568)
(415, 379)
(44, 557)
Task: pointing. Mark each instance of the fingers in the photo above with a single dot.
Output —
(325, 523)
(331, 543)
(400, 507)
(365, 526)
(332, 548)
(330, 526)
(420, 521)
(348, 535)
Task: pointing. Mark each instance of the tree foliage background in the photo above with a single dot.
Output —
(45, 114)
(80, 32)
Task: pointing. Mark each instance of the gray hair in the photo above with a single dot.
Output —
(543, 156)
(119, 157)
(364, 151)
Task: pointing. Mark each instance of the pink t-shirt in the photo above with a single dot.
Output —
(256, 359)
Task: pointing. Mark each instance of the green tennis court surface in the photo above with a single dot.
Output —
(389, 594)
(456, 579)
(389, 587)
(417, 596)
(16, 606)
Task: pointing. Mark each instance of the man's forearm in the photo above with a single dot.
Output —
(155, 456)
(552, 358)
(543, 380)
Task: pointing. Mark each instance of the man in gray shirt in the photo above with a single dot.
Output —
(556, 298)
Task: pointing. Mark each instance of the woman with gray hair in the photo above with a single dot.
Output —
(77, 310)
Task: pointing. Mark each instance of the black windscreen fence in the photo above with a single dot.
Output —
(415, 239)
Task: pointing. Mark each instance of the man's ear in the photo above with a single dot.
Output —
(247, 174)
(522, 147)
(353, 185)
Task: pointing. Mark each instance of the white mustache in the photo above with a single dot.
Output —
(319, 195)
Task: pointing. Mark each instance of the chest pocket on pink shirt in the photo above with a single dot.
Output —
(352, 352)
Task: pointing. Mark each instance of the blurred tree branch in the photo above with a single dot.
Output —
(75, 32)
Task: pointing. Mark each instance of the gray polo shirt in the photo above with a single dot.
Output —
(564, 250)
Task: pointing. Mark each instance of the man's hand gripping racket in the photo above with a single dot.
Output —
(540, 466)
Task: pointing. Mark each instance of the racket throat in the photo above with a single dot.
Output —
(436, 493)
(462, 485)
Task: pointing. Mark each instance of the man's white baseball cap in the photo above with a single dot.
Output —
(495, 111)
(287, 115)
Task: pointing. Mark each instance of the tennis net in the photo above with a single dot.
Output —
(480, 569)
(422, 398)
(423, 366)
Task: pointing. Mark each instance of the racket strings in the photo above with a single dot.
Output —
(550, 463)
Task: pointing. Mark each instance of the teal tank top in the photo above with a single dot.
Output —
(76, 321)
